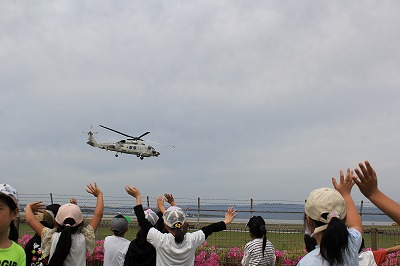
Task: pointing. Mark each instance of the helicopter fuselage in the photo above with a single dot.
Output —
(135, 147)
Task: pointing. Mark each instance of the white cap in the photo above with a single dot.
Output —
(324, 203)
(9, 191)
(174, 217)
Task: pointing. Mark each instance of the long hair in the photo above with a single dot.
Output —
(64, 242)
(258, 232)
(334, 241)
(13, 234)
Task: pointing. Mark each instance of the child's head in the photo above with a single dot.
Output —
(256, 226)
(47, 218)
(151, 216)
(174, 219)
(325, 210)
(9, 202)
(322, 205)
(119, 224)
(69, 215)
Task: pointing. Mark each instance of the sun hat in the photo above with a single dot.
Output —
(69, 210)
(323, 204)
(151, 216)
(174, 217)
(9, 191)
(119, 224)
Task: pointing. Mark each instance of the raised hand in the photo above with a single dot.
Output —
(170, 199)
(230, 215)
(367, 180)
(160, 204)
(37, 206)
(345, 184)
(133, 191)
(93, 189)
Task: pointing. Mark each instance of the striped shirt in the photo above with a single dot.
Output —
(253, 253)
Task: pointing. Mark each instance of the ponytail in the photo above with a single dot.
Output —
(64, 243)
(263, 231)
(178, 234)
(334, 242)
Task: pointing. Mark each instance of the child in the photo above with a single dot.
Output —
(33, 251)
(67, 244)
(175, 247)
(10, 252)
(374, 257)
(333, 219)
(141, 252)
(367, 182)
(259, 251)
(115, 246)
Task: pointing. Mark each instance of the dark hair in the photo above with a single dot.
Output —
(334, 241)
(178, 234)
(64, 242)
(259, 231)
(310, 242)
(13, 234)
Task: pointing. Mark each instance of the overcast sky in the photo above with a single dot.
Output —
(262, 99)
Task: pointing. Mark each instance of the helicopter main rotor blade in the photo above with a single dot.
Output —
(144, 134)
(123, 134)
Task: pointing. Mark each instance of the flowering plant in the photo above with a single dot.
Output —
(24, 240)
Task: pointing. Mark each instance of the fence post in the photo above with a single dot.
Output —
(361, 207)
(198, 210)
(251, 208)
(148, 202)
(374, 234)
(51, 198)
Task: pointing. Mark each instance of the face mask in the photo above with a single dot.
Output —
(308, 231)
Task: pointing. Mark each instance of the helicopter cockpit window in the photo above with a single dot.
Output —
(130, 147)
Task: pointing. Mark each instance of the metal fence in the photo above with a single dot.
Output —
(284, 224)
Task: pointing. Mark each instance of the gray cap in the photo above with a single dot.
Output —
(119, 224)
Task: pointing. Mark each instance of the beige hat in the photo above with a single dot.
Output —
(324, 203)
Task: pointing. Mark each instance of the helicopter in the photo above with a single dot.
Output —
(133, 145)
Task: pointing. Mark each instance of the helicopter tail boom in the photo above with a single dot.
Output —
(91, 141)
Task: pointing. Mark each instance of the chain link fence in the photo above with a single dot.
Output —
(285, 226)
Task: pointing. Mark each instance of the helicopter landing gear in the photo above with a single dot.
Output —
(116, 155)
(141, 157)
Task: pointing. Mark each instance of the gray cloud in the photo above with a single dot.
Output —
(265, 100)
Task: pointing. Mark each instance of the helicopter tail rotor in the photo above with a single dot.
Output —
(91, 140)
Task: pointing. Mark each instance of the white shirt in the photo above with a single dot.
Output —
(115, 248)
(314, 258)
(366, 258)
(77, 253)
(169, 253)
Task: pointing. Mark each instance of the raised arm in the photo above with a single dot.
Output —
(220, 226)
(30, 218)
(353, 219)
(160, 204)
(367, 182)
(99, 210)
(144, 224)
